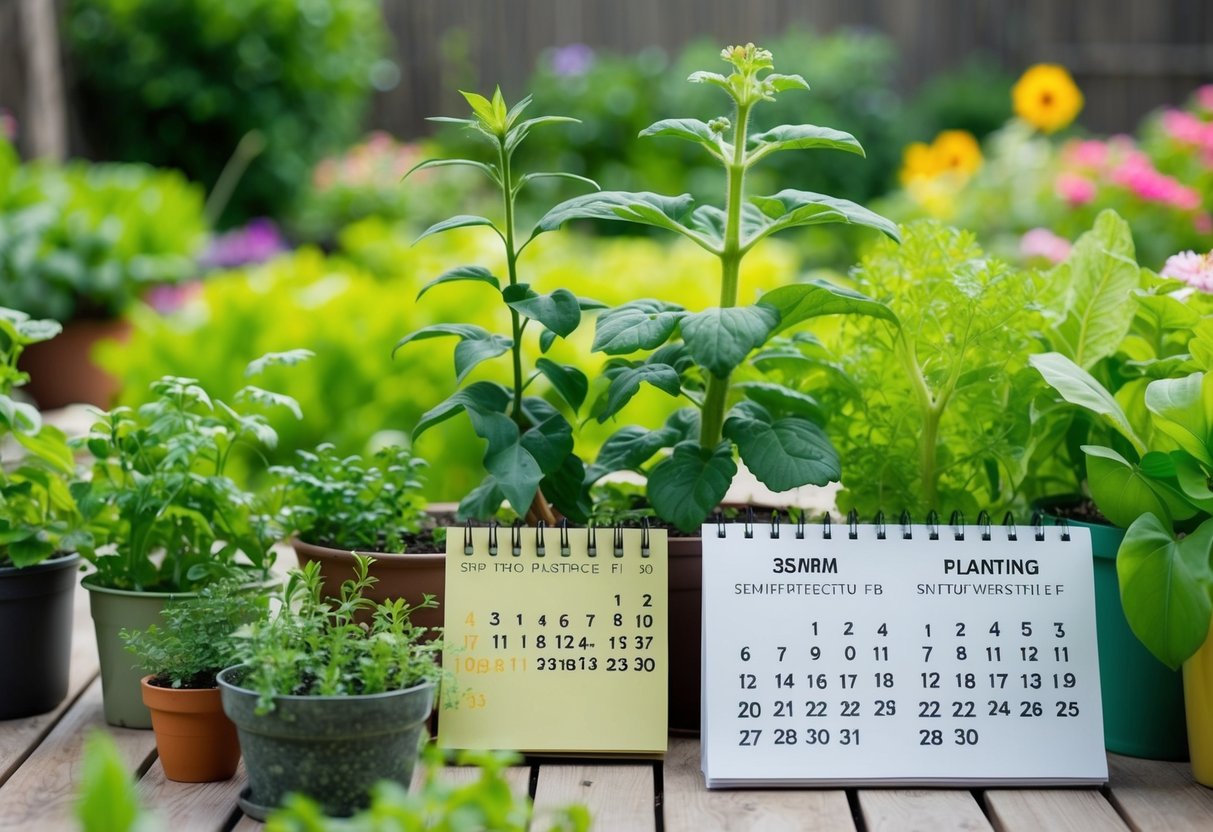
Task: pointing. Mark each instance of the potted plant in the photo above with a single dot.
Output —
(182, 655)
(161, 496)
(1105, 353)
(341, 505)
(694, 354)
(39, 530)
(324, 705)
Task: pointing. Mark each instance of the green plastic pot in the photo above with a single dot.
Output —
(1143, 700)
(331, 748)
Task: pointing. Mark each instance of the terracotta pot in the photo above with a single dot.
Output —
(685, 627)
(196, 741)
(62, 371)
(406, 576)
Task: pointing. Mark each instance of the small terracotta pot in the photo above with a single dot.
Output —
(196, 741)
(62, 370)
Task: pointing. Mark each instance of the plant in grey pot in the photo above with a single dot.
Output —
(327, 706)
(174, 519)
(39, 530)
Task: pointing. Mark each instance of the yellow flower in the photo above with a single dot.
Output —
(957, 151)
(1046, 97)
(917, 162)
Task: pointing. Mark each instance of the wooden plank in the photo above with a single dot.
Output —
(42, 792)
(618, 796)
(519, 778)
(689, 807)
(191, 807)
(1156, 795)
(19, 737)
(1032, 810)
(247, 824)
(920, 810)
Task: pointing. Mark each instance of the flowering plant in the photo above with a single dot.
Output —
(694, 354)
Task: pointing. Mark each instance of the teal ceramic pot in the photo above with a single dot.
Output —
(36, 646)
(331, 748)
(1143, 700)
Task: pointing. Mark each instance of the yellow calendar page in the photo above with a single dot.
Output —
(556, 645)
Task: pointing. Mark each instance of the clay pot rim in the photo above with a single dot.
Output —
(382, 559)
(179, 700)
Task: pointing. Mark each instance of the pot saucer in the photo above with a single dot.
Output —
(254, 810)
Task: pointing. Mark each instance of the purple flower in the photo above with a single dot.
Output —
(8, 126)
(571, 60)
(257, 242)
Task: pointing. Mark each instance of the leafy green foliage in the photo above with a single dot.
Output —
(195, 641)
(181, 83)
(520, 449)
(38, 516)
(108, 800)
(316, 646)
(346, 503)
(85, 240)
(937, 419)
(488, 802)
(159, 484)
(709, 345)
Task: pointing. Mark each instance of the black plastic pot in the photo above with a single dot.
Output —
(36, 645)
(331, 748)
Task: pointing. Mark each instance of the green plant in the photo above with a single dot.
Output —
(529, 459)
(935, 419)
(315, 646)
(83, 241)
(159, 484)
(488, 802)
(108, 800)
(182, 83)
(342, 502)
(783, 449)
(38, 516)
(195, 642)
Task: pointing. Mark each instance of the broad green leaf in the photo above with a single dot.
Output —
(638, 325)
(1077, 386)
(482, 502)
(802, 137)
(488, 170)
(782, 453)
(1201, 345)
(687, 129)
(709, 221)
(685, 488)
(713, 78)
(792, 209)
(546, 339)
(35, 330)
(778, 398)
(1091, 289)
(627, 383)
(1193, 481)
(476, 344)
(481, 106)
(719, 339)
(483, 396)
(289, 358)
(560, 312)
(567, 490)
(459, 221)
(1164, 587)
(780, 83)
(1120, 489)
(1165, 312)
(1183, 410)
(462, 273)
(513, 467)
(49, 445)
(644, 208)
(550, 437)
(800, 302)
(268, 398)
(19, 417)
(568, 381)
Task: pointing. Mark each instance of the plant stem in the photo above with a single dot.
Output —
(716, 397)
(511, 265)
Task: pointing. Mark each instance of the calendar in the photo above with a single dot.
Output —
(556, 640)
(913, 655)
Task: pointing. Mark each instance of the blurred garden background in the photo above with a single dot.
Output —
(221, 179)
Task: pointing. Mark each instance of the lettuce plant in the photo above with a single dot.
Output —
(694, 354)
(529, 458)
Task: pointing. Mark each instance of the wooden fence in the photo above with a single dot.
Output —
(1128, 56)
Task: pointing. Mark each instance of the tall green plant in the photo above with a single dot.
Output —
(529, 459)
(695, 353)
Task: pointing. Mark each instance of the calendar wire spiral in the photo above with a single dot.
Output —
(517, 529)
(798, 519)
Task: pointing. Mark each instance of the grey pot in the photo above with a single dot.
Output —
(331, 748)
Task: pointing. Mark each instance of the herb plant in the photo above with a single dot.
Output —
(317, 647)
(38, 516)
(195, 642)
(345, 503)
(694, 354)
(529, 458)
(160, 485)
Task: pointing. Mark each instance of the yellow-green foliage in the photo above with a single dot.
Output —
(350, 310)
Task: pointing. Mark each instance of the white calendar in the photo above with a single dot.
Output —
(906, 655)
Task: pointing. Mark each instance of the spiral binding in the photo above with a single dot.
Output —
(516, 532)
(956, 525)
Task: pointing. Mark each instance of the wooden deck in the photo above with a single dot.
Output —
(40, 757)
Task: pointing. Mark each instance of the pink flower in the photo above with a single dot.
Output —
(1137, 174)
(1186, 128)
(1074, 189)
(1041, 242)
(1091, 153)
(1203, 223)
(1192, 268)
